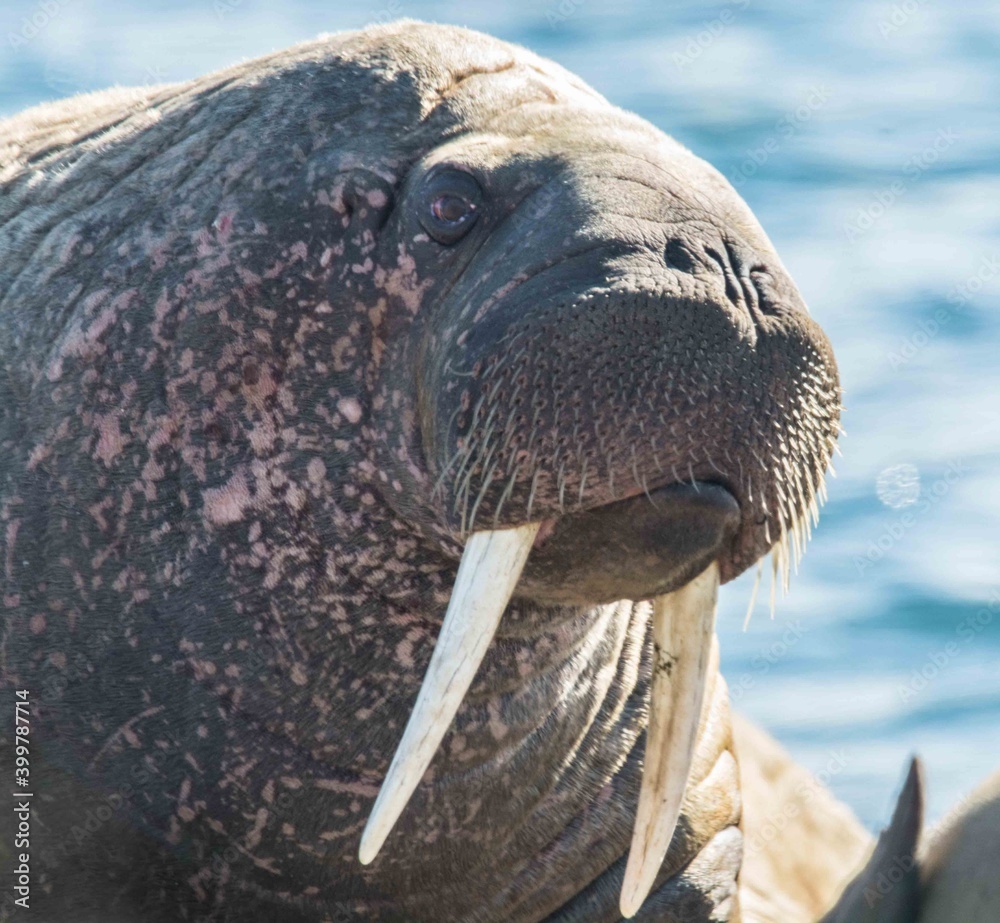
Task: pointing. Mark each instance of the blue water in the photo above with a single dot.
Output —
(866, 139)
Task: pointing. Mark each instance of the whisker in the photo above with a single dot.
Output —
(753, 593)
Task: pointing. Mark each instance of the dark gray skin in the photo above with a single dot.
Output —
(887, 890)
(252, 409)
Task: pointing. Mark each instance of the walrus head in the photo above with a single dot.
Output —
(609, 381)
(396, 326)
(600, 316)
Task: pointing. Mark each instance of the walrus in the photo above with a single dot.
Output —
(379, 419)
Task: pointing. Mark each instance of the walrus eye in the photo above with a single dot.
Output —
(450, 205)
(450, 209)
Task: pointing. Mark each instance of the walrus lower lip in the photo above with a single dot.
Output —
(638, 548)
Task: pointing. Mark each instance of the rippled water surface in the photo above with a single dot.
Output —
(865, 136)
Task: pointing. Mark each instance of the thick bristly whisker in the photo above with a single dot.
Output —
(775, 550)
(753, 593)
(487, 574)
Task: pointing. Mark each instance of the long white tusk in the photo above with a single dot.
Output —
(487, 574)
(683, 628)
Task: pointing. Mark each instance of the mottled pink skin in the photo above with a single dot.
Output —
(225, 556)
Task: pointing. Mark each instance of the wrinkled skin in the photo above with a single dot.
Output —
(251, 411)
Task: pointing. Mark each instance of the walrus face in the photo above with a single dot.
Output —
(602, 318)
(618, 389)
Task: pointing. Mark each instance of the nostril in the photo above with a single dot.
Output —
(763, 286)
(734, 292)
(678, 256)
(749, 283)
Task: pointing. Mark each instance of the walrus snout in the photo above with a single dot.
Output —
(603, 316)
(616, 339)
